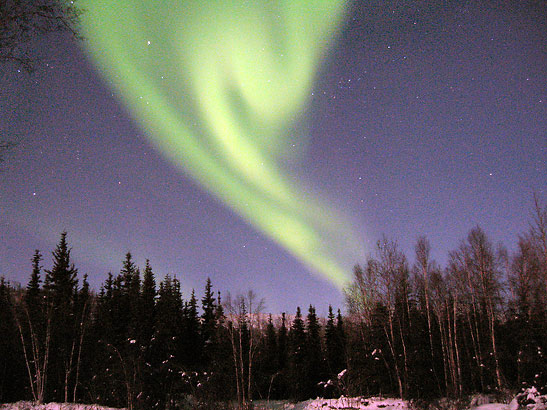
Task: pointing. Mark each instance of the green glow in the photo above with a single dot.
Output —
(217, 86)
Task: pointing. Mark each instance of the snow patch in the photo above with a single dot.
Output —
(372, 403)
(27, 405)
(353, 403)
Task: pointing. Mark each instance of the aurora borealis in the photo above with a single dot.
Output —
(219, 101)
(396, 118)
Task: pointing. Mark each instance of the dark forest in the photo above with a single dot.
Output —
(417, 331)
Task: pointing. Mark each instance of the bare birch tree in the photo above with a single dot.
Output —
(244, 325)
(422, 271)
(35, 346)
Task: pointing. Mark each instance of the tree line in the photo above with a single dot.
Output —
(477, 325)
(137, 343)
(415, 331)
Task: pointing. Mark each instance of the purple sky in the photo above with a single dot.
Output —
(426, 119)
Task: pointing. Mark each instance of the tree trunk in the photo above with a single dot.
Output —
(456, 347)
(80, 344)
(37, 364)
(391, 341)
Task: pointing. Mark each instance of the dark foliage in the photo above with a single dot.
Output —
(418, 332)
(22, 21)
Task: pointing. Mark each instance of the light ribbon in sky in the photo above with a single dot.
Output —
(218, 85)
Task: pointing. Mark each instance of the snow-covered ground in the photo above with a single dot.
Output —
(373, 403)
(530, 399)
(26, 405)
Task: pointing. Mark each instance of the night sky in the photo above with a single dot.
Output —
(426, 118)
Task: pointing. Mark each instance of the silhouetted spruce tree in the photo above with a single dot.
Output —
(60, 287)
(282, 342)
(122, 380)
(341, 335)
(191, 349)
(104, 319)
(129, 297)
(104, 385)
(84, 345)
(268, 364)
(208, 323)
(314, 363)
(13, 376)
(131, 349)
(219, 310)
(243, 349)
(271, 355)
(147, 309)
(33, 293)
(334, 344)
(297, 358)
(168, 337)
(330, 342)
(108, 384)
(282, 358)
(147, 318)
(34, 322)
(221, 382)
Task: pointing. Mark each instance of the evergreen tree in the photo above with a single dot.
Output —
(129, 297)
(33, 293)
(341, 338)
(297, 358)
(282, 343)
(219, 311)
(330, 342)
(271, 353)
(243, 349)
(147, 310)
(104, 321)
(268, 367)
(314, 356)
(61, 280)
(108, 384)
(147, 318)
(13, 378)
(208, 322)
(191, 330)
(61, 286)
(34, 320)
(334, 344)
(138, 347)
(168, 338)
(282, 358)
(82, 344)
(220, 383)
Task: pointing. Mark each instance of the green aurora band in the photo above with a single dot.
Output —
(217, 86)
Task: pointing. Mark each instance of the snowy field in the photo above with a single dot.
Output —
(372, 403)
(26, 405)
(527, 400)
